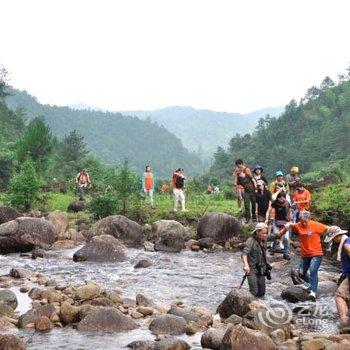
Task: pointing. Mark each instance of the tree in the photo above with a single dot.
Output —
(73, 147)
(327, 83)
(3, 82)
(127, 185)
(25, 187)
(37, 143)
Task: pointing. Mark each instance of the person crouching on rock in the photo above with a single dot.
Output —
(310, 233)
(254, 260)
(342, 295)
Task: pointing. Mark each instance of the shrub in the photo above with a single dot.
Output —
(25, 187)
(104, 205)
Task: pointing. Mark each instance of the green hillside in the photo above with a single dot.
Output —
(113, 136)
(311, 134)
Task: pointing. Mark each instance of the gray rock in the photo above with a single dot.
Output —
(9, 298)
(8, 214)
(171, 344)
(19, 272)
(104, 248)
(11, 342)
(143, 264)
(212, 338)
(32, 315)
(187, 314)
(77, 206)
(168, 324)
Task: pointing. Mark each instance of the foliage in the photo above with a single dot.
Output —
(25, 187)
(104, 205)
(7, 161)
(37, 143)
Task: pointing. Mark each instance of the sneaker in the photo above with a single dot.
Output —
(312, 296)
(286, 256)
(305, 286)
(184, 210)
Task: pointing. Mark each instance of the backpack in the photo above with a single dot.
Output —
(179, 182)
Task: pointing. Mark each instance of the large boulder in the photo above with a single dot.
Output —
(24, 234)
(168, 236)
(295, 294)
(31, 316)
(11, 342)
(221, 227)
(168, 324)
(120, 227)
(106, 319)
(69, 313)
(8, 214)
(237, 302)
(101, 249)
(239, 337)
(212, 338)
(185, 313)
(77, 206)
(9, 298)
(59, 220)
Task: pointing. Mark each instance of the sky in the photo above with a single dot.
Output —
(233, 56)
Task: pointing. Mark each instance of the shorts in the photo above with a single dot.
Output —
(343, 291)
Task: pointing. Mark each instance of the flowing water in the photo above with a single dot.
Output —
(198, 279)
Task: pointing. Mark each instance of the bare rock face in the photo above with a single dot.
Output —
(120, 227)
(239, 337)
(104, 248)
(168, 324)
(8, 214)
(25, 233)
(106, 319)
(59, 220)
(218, 226)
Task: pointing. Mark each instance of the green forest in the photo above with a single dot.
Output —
(111, 137)
(312, 134)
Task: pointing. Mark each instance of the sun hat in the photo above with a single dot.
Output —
(305, 214)
(258, 167)
(334, 231)
(279, 173)
(260, 226)
(295, 169)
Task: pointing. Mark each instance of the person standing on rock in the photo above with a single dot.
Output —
(148, 184)
(310, 233)
(342, 295)
(178, 181)
(255, 264)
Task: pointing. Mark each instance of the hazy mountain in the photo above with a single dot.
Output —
(201, 130)
(113, 136)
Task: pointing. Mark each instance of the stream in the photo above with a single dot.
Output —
(196, 278)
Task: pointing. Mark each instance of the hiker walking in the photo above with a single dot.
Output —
(148, 184)
(178, 181)
(278, 185)
(281, 208)
(263, 200)
(293, 179)
(310, 233)
(258, 174)
(239, 169)
(342, 295)
(301, 199)
(255, 264)
(83, 181)
(246, 182)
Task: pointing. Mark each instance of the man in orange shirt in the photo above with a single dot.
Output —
(302, 199)
(310, 233)
(148, 184)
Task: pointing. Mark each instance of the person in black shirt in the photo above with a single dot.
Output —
(282, 215)
(263, 200)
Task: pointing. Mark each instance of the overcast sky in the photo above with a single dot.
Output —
(234, 56)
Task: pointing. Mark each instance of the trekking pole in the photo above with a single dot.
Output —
(244, 278)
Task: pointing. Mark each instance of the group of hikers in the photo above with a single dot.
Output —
(148, 184)
(282, 208)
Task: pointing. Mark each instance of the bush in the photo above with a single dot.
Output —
(25, 187)
(104, 205)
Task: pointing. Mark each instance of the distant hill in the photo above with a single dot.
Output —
(201, 130)
(113, 136)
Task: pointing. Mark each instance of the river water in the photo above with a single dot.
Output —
(197, 278)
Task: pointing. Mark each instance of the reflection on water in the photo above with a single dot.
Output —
(199, 279)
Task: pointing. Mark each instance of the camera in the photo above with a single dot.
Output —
(268, 271)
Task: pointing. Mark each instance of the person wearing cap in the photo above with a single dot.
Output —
(310, 233)
(301, 199)
(263, 200)
(282, 215)
(342, 295)
(255, 264)
(279, 184)
(258, 175)
(293, 179)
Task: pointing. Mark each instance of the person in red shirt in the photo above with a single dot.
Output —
(178, 180)
(310, 233)
(148, 184)
(301, 199)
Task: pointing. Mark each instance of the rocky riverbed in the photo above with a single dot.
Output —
(146, 296)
